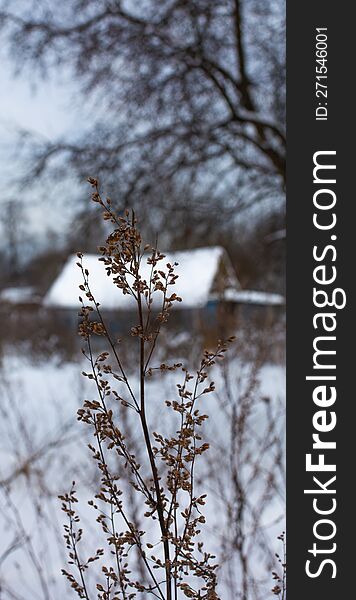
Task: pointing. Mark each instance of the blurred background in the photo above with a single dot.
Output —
(178, 108)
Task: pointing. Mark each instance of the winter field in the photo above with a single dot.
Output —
(136, 132)
(44, 448)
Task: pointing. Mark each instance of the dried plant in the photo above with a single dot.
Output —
(30, 474)
(164, 558)
(280, 588)
(249, 490)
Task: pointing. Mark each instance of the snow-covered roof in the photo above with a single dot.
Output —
(19, 295)
(254, 297)
(196, 268)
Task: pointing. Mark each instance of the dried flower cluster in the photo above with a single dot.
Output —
(166, 558)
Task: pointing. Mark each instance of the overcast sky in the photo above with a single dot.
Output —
(45, 110)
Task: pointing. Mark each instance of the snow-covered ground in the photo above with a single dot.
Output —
(43, 448)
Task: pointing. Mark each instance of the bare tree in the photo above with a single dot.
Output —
(186, 94)
(12, 234)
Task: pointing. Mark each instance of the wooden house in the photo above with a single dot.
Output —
(207, 283)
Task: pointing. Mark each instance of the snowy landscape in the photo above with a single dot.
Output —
(142, 283)
(41, 401)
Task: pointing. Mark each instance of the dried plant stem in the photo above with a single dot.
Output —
(159, 502)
